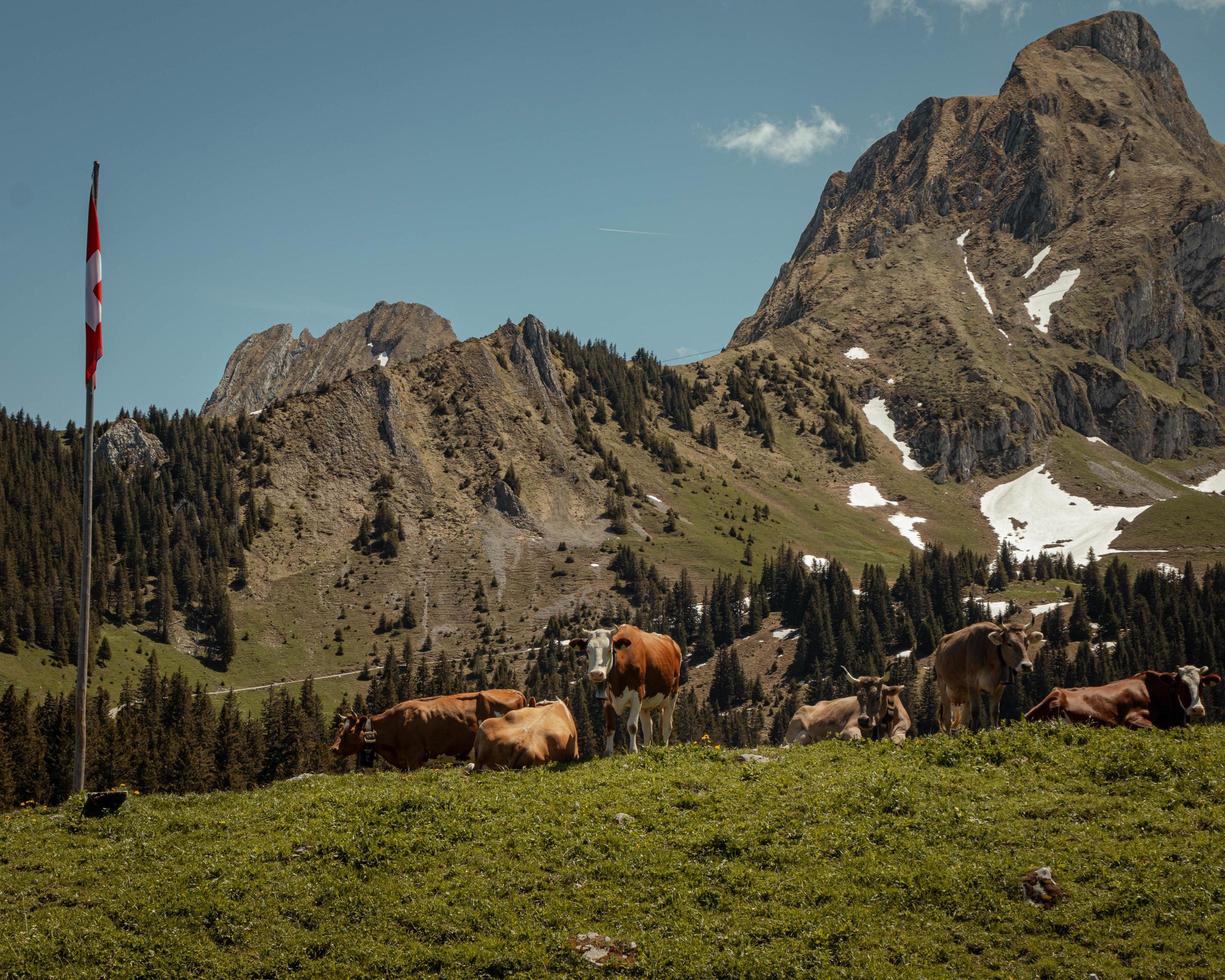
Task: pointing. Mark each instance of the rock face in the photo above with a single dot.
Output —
(125, 445)
(273, 364)
(1091, 158)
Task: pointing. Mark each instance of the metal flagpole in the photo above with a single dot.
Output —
(87, 527)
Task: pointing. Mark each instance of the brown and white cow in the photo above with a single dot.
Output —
(412, 732)
(853, 718)
(1150, 699)
(977, 660)
(634, 672)
(541, 733)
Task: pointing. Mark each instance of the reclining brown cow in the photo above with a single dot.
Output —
(854, 717)
(977, 660)
(894, 718)
(1150, 699)
(413, 732)
(541, 733)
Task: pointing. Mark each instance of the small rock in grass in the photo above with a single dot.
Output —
(600, 950)
(623, 819)
(1040, 888)
(752, 757)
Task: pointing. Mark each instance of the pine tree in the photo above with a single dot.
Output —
(8, 639)
(225, 642)
(1079, 627)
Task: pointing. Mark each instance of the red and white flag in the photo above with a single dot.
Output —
(93, 290)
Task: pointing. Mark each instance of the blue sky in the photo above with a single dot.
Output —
(296, 162)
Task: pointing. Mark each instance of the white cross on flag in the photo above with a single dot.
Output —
(93, 291)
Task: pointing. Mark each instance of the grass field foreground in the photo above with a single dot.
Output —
(858, 860)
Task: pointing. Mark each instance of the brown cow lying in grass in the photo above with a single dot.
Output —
(1150, 699)
(855, 717)
(413, 732)
(541, 733)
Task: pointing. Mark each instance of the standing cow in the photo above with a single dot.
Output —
(977, 660)
(634, 672)
(413, 732)
(1149, 699)
(852, 718)
(541, 733)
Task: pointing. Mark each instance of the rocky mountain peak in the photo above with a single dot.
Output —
(531, 351)
(273, 363)
(1069, 227)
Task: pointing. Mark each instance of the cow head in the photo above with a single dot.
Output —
(599, 647)
(872, 693)
(1190, 681)
(1014, 641)
(350, 736)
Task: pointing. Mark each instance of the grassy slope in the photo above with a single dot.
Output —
(865, 860)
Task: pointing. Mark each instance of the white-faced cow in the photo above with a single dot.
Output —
(977, 660)
(874, 710)
(634, 672)
(1150, 699)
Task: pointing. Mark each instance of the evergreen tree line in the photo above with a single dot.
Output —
(628, 386)
(744, 388)
(164, 538)
(161, 734)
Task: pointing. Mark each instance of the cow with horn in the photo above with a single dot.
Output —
(982, 659)
(854, 717)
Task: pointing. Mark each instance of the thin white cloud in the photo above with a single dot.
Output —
(1010, 11)
(634, 231)
(798, 143)
(1200, 5)
(878, 10)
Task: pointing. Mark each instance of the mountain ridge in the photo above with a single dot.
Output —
(273, 363)
(1091, 150)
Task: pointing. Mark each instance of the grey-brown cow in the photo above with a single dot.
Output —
(894, 718)
(852, 718)
(977, 660)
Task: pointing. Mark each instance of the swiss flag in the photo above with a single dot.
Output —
(93, 289)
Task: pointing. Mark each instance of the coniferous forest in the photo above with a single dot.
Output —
(165, 540)
(170, 542)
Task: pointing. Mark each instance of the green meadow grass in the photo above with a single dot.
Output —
(835, 859)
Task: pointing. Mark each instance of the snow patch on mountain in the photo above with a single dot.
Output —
(1034, 514)
(978, 287)
(1038, 306)
(1037, 262)
(906, 527)
(856, 354)
(866, 495)
(877, 413)
(1214, 483)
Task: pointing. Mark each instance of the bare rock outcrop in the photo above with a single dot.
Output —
(273, 364)
(126, 446)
